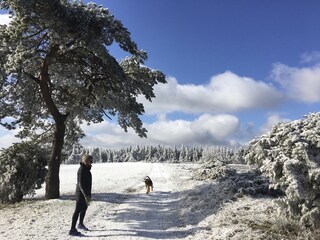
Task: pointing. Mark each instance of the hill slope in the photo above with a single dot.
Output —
(178, 208)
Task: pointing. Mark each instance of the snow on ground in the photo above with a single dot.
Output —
(178, 208)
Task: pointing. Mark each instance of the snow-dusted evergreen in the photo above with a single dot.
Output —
(289, 155)
(56, 72)
(22, 170)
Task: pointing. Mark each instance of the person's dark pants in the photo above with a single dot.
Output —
(81, 208)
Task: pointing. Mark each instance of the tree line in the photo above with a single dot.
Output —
(159, 153)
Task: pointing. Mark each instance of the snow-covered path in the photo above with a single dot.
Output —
(120, 210)
(129, 213)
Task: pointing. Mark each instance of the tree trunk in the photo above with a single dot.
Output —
(52, 178)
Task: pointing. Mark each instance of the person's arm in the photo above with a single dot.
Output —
(87, 198)
(82, 183)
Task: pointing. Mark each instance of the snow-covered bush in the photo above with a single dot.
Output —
(289, 155)
(216, 162)
(213, 170)
(22, 170)
(240, 180)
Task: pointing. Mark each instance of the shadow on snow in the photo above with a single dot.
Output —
(168, 215)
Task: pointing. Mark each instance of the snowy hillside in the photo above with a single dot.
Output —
(179, 207)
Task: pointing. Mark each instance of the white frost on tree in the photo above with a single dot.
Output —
(289, 155)
(56, 73)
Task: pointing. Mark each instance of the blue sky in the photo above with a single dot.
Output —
(234, 68)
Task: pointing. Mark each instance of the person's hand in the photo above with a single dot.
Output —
(88, 200)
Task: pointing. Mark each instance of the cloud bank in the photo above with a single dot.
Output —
(226, 93)
(205, 130)
(209, 104)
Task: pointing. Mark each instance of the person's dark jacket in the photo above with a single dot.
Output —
(85, 180)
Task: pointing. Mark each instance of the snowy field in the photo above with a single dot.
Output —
(178, 208)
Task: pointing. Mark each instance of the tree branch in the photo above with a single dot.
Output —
(37, 80)
(104, 112)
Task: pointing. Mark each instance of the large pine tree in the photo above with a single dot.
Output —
(56, 72)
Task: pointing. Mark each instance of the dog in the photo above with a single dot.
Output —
(148, 183)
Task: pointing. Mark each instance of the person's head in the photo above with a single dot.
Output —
(87, 159)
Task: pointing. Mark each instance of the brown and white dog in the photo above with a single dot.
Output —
(148, 183)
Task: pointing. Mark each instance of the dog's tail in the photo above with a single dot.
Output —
(146, 178)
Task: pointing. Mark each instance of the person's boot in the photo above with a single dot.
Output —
(83, 227)
(74, 232)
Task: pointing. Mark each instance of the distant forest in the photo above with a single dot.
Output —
(183, 154)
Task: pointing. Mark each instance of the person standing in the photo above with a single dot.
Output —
(83, 194)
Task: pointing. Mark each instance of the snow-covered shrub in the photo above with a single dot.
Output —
(22, 170)
(216, 162)
(213, 170)
(289, 155)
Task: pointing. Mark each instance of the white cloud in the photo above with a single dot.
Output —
(310, 57)
(226, 92)
(4, 19)
(301, 84)
(239, 93)
(207, 129)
